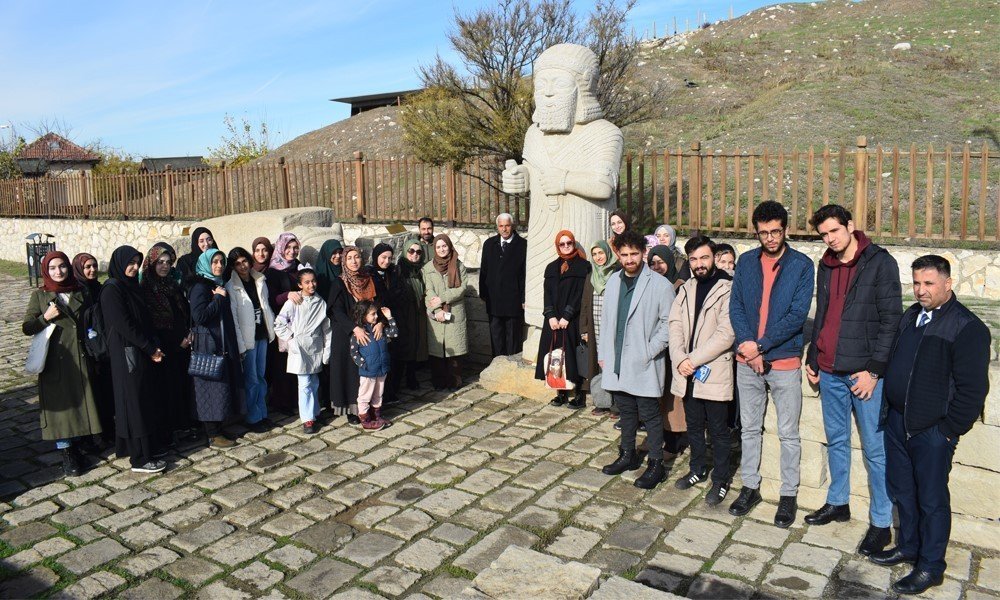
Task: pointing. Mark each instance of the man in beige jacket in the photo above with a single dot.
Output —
(701, 352)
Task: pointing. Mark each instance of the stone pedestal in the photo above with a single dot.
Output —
(509, 375)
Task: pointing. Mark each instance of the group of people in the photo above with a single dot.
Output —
(680, 339)
(689, 345)
(172, 347)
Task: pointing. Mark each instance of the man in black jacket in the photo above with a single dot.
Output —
(858, 305)
(501, 286)
(935, 388)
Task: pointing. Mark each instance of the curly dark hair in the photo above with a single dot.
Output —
(770, 211)
(697, 242)
(630, 238)
(361, 310)
(830, 211)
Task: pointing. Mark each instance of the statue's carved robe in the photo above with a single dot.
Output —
(594, 149)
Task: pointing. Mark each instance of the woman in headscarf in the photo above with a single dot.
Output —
(85, 271)
(603, 263)
(170, 321)
(661, 260)
(388, 288)
(65, 398)
(618, 222)
(677, 268)
(215, 333)
(563, 285)
(411, 316)
(445, 281)
(355, 284)
(262, 249)
(328, 266)
(201, 240)
(282, 284)
(133, 350)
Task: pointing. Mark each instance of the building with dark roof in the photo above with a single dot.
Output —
(176, 163)
(360, 104)
(53, 154)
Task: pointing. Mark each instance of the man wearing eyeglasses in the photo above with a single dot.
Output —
(501, 286)
(772, 291)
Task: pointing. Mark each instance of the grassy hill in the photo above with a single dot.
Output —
(788, 75)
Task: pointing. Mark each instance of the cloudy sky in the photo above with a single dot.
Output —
(157, 79)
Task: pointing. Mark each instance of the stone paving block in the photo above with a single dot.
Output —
(258, 575)
(507, 498)
(287, 524)
(148, 560)
(745, 562)
(85, 533)
(183, 518)
(352, 493)
(633, 537)
(865, 573)
(152, 589)
(380, 456)
(794, 582)
(144, 534)
(617, 588)
(989, 573)
(220, 591)
(529, 453)
(446, 586)
(469, 459)
(289, 497)
(325, 481)
(453, 534)
(239, 494)
(245, 453)
(446, 502)
(172, 481)
(536, 518)
(959, 561)
(839, 536)
(291, 556)
(85, 558)
(130, 497)
(408, 442)
(455, 443)
(670, 500)
(759, 534)
(325, 537)
(213, 464)
(250, 514)
(22, 560)
(202, 535)
(82, 494)
(278, 442)
(323, 578)
(697, 537)
(391, 580)
(39, 493)
(520, 572)
(441, 474)
(587, 479)
(281, 477)
(92, 586)
(53, 547)
(422, 458)
(175, 498)
(389, 476)
(566, 457)
(711, 587)
(27, 534)
(360, 445)
(224, 478)
(306, 448)
(498, 445)
(660, 580)
(82, 515)
(573, 543)
(424, 555)
(477, 518)
(718, 513)
(621, 490)
(562, 497)
(323, 460)
(479, 556)
(423, 418)
(677, 564)
(320, 509)
(821, 560)
(483, 481)
(238, 547)
(29, 584)
(369, 548)
(31, 513)
(439, 431)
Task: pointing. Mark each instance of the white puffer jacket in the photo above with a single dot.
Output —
(243, 309)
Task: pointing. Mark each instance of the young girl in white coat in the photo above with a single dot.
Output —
(306, 328)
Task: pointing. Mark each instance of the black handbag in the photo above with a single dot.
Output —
(209, 366)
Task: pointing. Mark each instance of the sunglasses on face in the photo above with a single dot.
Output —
(566, 244)
(165, 262)
(415, 251)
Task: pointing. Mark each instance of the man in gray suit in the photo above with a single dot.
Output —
(633, 355)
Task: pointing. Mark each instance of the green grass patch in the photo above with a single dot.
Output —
(458, 572)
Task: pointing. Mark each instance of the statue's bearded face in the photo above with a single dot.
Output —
(555, 100)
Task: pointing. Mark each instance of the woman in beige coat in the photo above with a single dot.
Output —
(447, 335)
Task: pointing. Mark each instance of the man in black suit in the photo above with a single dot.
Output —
(501, 286)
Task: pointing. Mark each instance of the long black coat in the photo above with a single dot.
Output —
(563, 300)
(501, 278)
(283, 385)
(212, 316)
(127, 323)
(341, 370)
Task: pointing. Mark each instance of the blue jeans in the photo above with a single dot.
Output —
(308, 403)
(254, 362)
(838, 404)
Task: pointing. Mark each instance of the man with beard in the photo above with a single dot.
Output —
(425, 227)
(701, 352)
(858, 305)
(772, 291)
(571, 162)
(501, 286)
(632, 354)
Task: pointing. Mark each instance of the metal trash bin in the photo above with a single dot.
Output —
(36, 250)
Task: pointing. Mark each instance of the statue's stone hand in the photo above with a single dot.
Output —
(515, 178)
(554, 182)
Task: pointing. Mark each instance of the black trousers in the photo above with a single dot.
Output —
(916, 474)
(506, 335)
(446, 373)
(714, 415)
(632, 410)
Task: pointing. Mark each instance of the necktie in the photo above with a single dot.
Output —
(924, 318)
(503, 247)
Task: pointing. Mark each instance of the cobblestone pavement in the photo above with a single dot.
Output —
(416, 510)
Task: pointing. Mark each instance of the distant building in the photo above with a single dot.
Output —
(177, 163)
(360, 104)
(54, 155)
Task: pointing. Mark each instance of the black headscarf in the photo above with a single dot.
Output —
(186, 263)
(120, 259)
(194, 239)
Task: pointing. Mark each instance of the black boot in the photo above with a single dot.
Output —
(628, 460)
(560, 399)
(579, 400)
(654, 474)
(71, 463)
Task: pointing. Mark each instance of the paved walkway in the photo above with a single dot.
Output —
(416, 510)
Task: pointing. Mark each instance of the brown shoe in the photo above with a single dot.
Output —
(221, 441)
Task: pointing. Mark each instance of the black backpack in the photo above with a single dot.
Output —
(95, 341)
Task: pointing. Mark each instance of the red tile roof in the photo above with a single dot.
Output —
(53, 147)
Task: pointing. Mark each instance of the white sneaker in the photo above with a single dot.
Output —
(153, 466)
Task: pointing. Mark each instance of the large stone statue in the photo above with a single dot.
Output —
(571, 162)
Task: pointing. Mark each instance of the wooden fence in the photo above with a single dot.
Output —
(909, 193)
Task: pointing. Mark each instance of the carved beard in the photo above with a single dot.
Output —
(557, 114)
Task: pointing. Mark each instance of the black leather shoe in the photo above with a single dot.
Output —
(654, 474)
(744, 503)
(890, 557)
(628, 460)
(559, 400)
(71, 463)
(691, 479)
(876, 539)
(579, 401)
(785, 515)
(829, 513)
(917, 582)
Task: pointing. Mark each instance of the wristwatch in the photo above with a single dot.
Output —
(873, 375)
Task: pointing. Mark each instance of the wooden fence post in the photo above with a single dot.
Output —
(168, 178)
(694, 187)
(121, 193)
(83, 195)
(452, 208)
(285, 191)
(861, 183)
(359, 185)
(227, 198)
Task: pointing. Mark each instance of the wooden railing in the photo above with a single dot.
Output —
(928, 194)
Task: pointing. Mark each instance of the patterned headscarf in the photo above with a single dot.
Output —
(70, 284)
(569, 255)
(599, 275)
(260, 267)
(652, 241)
(359, 283)
(204, 268)
(162, 294)
(278, 256)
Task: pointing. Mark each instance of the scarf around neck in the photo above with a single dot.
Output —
(447, 266)
(260, 267)
(204, 267)
(359, 283)
(278, 256)
(70, 284)
(599, 275)
(570, 254)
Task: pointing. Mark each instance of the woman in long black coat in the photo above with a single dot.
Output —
(133, 350)
(282, 284)
(201, 240)
(85, 272)
(389, 288)
(215, 333)
(563, 289)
